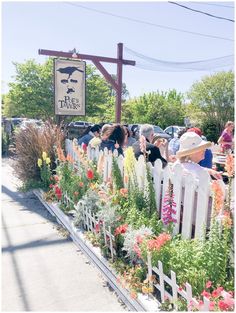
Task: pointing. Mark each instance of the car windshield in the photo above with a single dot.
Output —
(158, 129)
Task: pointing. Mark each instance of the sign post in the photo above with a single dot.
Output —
(116, 84)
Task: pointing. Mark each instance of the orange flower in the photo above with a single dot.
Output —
(69, 158)
(124, 192)
(126, 179)
(133, 295)
(229, 165)
(81, 184)
(218, 196)
(121, 229)
(227, 220)
(158, 242)
(60, 154)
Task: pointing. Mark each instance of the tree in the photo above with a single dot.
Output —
(31, 95)
(162, 109)
(214, 95)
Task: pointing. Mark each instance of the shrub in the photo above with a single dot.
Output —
(31, 142)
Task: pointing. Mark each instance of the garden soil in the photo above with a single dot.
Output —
(42, 270)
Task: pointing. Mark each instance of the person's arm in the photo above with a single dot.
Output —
(221, 141)
(155, 154)
(214, 174)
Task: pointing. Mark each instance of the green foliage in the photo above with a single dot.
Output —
(214, 96)
(211, 129)
(5, 141)
(116, 175)
(198, 261)
(45, 174)
(163, 109)
(31, 94)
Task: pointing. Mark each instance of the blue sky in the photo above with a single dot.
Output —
(29, 26)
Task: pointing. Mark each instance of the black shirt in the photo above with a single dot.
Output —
(153, 155)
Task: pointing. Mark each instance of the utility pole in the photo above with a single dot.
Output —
(116, 84)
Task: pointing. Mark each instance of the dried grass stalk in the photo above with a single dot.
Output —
(30, 144)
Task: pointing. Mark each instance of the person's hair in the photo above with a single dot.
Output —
(146, 130)
(229, 123)
(126, 129)
(117, 133)
(181, 132)
(95, 128)
(105, 128)
(184, 159)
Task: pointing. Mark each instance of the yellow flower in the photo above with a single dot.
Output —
(40, 162)
(48, 161)
(44, 155)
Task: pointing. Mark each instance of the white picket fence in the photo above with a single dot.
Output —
(89, 223)
(192, 196)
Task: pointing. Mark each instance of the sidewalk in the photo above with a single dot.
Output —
(41, 269)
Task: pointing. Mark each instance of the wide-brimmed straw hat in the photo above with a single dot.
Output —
(190, 143)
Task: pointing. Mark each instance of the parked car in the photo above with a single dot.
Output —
(27, 122)
(157, 131)
(81, 124)
(173, 130)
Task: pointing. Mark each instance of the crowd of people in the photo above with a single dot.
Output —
(189, 148)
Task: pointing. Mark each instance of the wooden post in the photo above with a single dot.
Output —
(119, 82)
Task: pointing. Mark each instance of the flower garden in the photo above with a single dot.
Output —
(120, 218)
(139, 238)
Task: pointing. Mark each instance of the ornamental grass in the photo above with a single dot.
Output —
(31, 142)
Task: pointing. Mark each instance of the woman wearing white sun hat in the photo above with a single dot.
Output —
(191, 152)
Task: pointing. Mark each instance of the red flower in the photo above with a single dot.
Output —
(81, 184)
(84, 147)
(90, 174)
(121, 229)
(51, 186)
(97, 228)
(58, 193)
(222, 305)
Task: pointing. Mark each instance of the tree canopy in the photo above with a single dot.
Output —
(214, 97)
(31, 94)
(158, 108)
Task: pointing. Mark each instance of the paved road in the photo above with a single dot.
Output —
(41, 269)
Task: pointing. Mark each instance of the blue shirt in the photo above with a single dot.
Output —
(207, 161)
(173, 146)
(85, 139)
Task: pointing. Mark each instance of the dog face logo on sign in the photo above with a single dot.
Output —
(69, 87)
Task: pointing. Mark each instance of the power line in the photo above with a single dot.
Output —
(149, 23)
(198, 11)
(213, 4)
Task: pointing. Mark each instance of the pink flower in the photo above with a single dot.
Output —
(208, 284)
(222, 305)
(142, 143)
(206, 294)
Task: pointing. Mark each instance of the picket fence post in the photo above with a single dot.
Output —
(188, 205)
